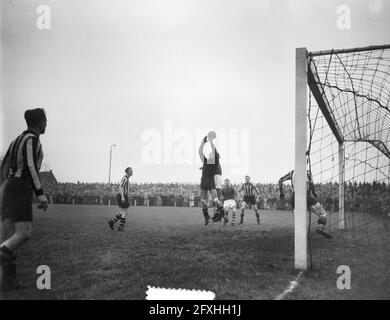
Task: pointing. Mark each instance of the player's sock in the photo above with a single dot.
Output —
(6, 250)
(242, 218)
(206, 216)
(221, 212)
(116, 218)
(225, 218)
(321, 222)
(122, 222)
(257, 216)
(233, 217)
(321, 227)
(215, 215)
(8, 279)
(5, 254)
(112, 222)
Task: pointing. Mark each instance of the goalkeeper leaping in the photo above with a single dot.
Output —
(312, 203)
(207, 184)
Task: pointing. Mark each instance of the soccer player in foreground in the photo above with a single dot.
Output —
(207, 183)
(19, 178)
(250, 192)
(229, 196)
(123, 201)
(312, 203)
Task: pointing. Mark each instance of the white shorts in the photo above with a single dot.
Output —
(218, 181)
(229, 204)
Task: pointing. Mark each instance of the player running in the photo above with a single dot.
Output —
(123, 201)
(250, 192)
(229, 197)
(207, 184)
(312, 202)
(19, 179)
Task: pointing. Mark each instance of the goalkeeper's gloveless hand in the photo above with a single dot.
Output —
(43, 204)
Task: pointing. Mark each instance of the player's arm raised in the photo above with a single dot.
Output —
(201, 148)
(213, 149)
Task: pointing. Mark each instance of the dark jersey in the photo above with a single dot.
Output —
(228, 193)
(210, 169)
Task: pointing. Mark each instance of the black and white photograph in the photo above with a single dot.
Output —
(203, 150)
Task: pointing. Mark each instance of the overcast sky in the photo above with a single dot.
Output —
(154, 76)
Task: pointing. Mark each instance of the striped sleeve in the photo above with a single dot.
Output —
(31, 152)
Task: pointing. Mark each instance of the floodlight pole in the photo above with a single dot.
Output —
(341, 186)
(300, 210)
(109, 168)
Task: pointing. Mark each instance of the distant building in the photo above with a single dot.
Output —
(48, 181)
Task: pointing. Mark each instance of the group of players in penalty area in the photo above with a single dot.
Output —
(20, 181)
(224, 196)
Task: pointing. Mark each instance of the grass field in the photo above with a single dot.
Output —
(170, 247)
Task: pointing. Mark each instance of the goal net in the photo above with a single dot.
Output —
(347, 121)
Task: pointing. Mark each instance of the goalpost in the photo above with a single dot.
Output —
(342, 133)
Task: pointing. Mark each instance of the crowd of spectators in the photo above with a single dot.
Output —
(359, 197)
(152, 194)
(367, 197)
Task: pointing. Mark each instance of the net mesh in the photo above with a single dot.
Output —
(349, 127)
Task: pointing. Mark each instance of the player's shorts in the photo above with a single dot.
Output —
(250, 200)
(310, 201)
(207, 183)
(229, 204)
(218, 181)
(16, 200)
(122, 204)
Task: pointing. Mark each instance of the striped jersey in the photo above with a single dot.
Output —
(124, 185)
(23, 160)
(249, 189)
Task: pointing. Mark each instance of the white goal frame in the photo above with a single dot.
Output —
(307, 79)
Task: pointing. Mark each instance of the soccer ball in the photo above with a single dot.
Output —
(211, 135)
